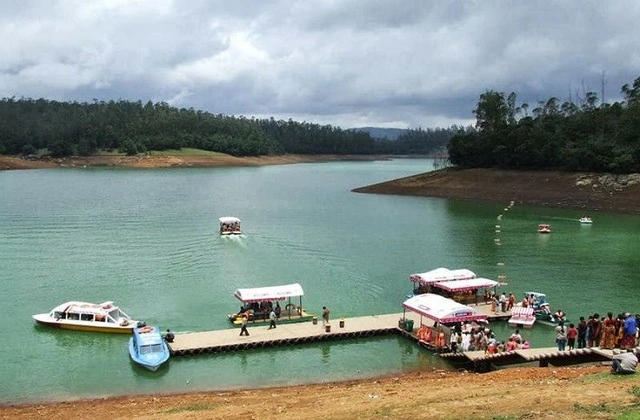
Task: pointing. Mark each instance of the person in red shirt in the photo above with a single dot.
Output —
(571, 336)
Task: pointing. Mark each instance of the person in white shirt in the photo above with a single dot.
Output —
(272, 319)
(503, 302)
(624, 363)
(466, 341)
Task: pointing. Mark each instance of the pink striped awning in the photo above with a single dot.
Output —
(519, 311)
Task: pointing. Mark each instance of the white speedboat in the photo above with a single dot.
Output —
(148, 348)
(229, 226)
(585, 220)
(84, 316)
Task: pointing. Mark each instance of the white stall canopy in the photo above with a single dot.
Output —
(443, 310)
(265, 294)
(442, 274)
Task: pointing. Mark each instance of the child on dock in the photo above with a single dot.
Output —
(572, 333)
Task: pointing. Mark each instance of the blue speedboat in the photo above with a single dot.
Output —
(148, 348)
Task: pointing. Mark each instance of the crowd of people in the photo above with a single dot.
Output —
(230, 227)
(474, 337)
(259, 310)
(611, 332)
(501, 302)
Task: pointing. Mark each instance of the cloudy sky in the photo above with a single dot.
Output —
(349, 63)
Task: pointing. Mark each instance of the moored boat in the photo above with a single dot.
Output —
(229, 226)
(544, 228)
(585, 220)
(148, 348)
(423, 282)
(542, 309)
(443, 313)
(522, 317)
(257, 304)
(85, 316)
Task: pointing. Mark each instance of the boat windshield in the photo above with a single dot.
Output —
(151, 348)
(116, 314)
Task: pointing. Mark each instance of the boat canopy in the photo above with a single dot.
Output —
(442, 274)
(229, 220)
(441, 309)
(264, 294)
(466, 285)
(86, 307)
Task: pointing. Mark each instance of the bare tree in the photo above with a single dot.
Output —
(603, 84)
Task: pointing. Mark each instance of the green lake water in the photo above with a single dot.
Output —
(148, 240)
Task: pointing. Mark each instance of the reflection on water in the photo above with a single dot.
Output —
(144, 374)
(79, 341)
(326, 352)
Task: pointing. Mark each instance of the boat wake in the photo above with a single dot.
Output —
(237, 239)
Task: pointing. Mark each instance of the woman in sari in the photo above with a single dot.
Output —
(608, 332)
(619, 330)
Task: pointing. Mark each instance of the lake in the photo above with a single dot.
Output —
(148, 240)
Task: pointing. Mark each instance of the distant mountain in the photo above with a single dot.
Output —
(382, 133)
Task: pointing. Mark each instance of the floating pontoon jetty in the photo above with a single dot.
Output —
(229, 340)
(287, 334)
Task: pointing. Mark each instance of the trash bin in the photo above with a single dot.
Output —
(408, 325)
(314, 320)
(342, 323)
(401, 324)
(327, 328)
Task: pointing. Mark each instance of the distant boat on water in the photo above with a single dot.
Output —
(544, 228)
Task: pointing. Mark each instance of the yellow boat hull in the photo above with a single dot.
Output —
(89, 328)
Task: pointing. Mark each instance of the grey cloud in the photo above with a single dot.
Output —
(413, 63)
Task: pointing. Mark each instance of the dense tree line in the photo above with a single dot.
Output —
(71, 128)
(585, 136)
(65, 128)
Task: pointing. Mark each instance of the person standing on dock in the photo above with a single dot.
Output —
(630, 330)
(503, 302)
(243, 328)
(325, 315)
(272, 319)
(561, 336)
(572, 333)
(582, 333)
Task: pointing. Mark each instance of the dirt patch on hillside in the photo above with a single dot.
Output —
(158, 161)
(517, 393)
(586, 191)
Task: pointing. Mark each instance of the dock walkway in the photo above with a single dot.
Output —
(286, 334)
(544, 356)
(261, 336)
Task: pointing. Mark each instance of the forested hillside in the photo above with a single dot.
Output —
(584, 136)
(29, 126)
